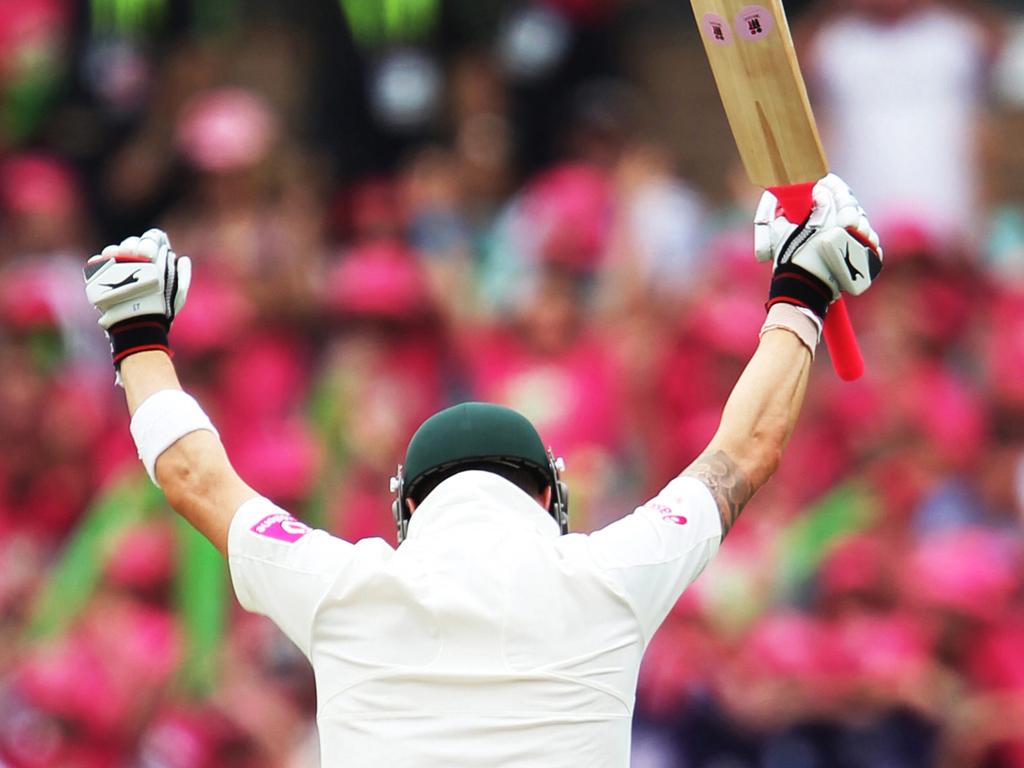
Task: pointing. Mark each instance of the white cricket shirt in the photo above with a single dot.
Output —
(486, 639)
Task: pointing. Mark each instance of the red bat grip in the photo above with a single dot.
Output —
(796, 201)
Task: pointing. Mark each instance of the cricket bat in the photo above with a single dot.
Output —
(755, 67)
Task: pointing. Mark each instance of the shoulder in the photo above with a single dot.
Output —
(261, 530)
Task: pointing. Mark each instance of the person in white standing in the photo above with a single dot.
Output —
(490, 636)
(900, 88)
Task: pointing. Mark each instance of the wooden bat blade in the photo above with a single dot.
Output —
(751, 53)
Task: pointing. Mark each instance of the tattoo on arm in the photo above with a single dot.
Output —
(728, 485)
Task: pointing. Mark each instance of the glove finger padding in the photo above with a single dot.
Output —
(764, 217)
(183, 279)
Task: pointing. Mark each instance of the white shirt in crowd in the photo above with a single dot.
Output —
(901, 103)
(486, 639)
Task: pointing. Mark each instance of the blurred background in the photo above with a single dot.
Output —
(393, 205)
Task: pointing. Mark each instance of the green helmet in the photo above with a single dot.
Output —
(474, 434)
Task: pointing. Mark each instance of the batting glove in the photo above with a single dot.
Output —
(139, 286)
(834, 250)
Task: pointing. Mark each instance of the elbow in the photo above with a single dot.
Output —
(768, 446)
(759, 455)
(178, 479)
(768, 461)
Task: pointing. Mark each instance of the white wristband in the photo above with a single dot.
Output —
(164, 418)
(803, 323)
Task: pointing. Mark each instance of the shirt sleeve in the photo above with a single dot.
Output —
(656, 552)
(281, 568)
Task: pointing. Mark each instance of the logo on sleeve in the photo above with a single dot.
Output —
(281, 526)
(667, 513)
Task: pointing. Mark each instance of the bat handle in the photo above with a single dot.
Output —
(796, 201)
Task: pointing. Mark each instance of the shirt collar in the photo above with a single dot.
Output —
(477, 497)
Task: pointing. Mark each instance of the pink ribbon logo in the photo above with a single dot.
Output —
(281, 526)
(667, 513)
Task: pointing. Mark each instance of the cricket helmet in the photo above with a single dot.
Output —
(475, 435)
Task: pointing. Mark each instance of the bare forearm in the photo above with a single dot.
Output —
(201, 485)
(762, 410)
(145, 374)
(757, 422)
(194, 472)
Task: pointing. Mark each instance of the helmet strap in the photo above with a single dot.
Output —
(559, 493)
(399, 507)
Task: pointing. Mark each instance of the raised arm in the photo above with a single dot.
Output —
(194, 472)
(756, 424)
(834, 250)
(139, 286)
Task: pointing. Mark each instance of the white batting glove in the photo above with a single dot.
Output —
(139, 287)
(834, 250)
(141, 276)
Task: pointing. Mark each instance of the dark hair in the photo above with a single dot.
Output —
(527, 478)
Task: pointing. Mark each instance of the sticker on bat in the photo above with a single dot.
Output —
(754, 22)
(716, 29)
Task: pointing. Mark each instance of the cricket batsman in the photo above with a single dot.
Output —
(490, 636)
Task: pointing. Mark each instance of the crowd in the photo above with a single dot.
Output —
(396, 206)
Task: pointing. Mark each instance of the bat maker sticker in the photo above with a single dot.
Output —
(754, 22)
(716, 29)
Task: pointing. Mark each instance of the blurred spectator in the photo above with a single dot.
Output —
(248, 202)
(387, 366)
(902, 89)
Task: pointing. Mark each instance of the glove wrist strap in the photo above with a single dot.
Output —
(795, 285)
(140, 334)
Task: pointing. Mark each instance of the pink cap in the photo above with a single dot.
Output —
(948, 412)
(71, 681)
(995, 660)
(27, 23)
(146, 641)
(218, 313)
(276, 363)
(970, 571)
(788, 645)
(143, 558)
(907, 236)
(38, 184)
(729, 322)
(1005, 347)
(884, 648)
(855, 565)
(381, 279)
(572, 205)
(226, 129)
(282, 454)
(27, 298)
